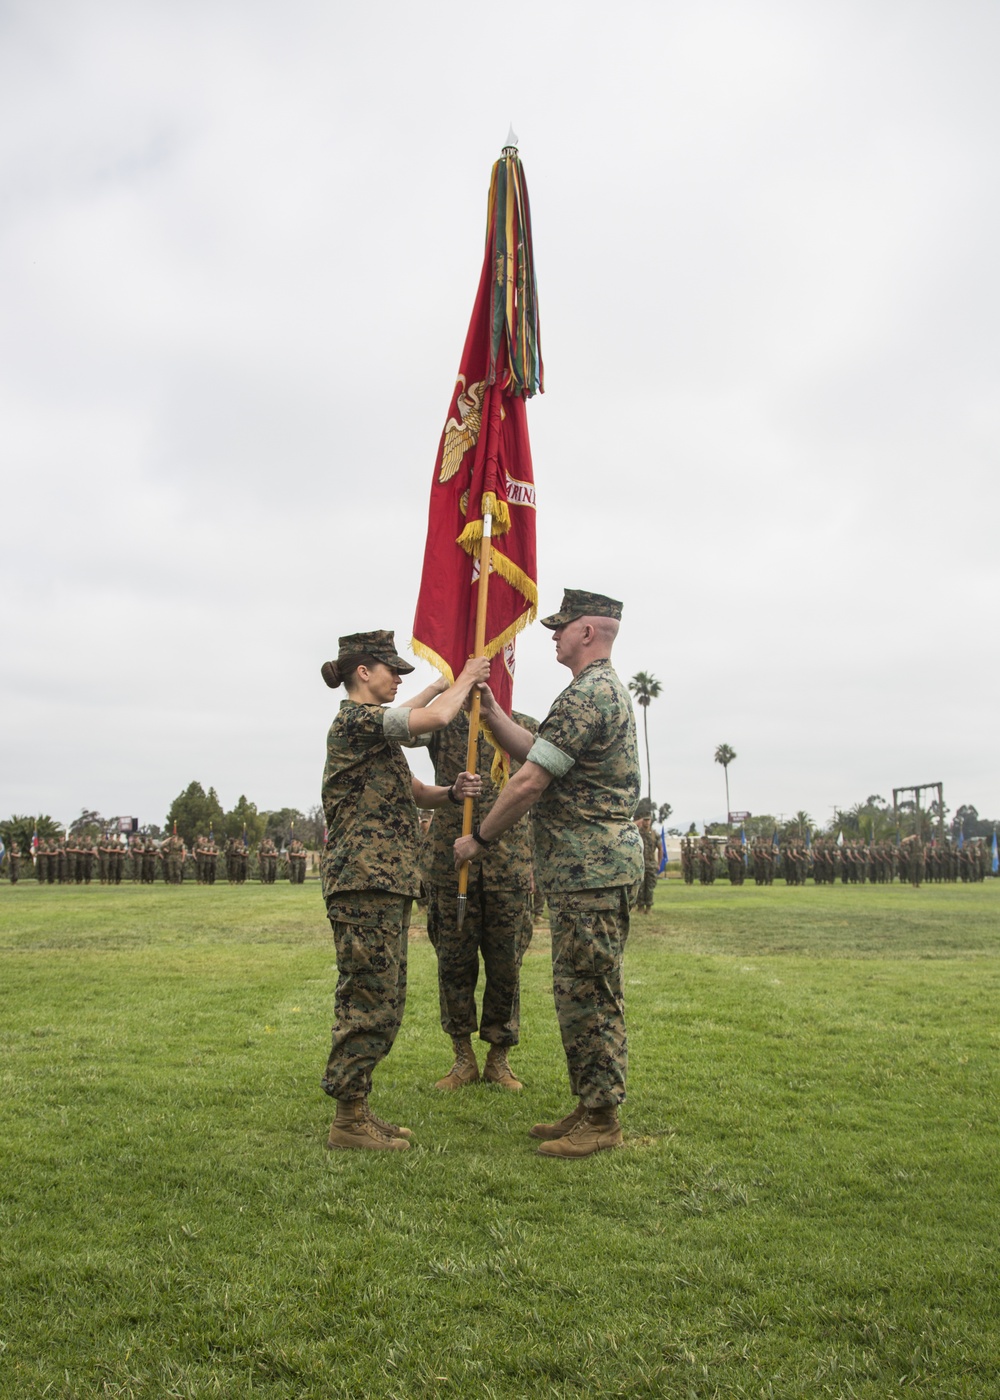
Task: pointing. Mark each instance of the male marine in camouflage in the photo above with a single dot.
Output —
(498, 918)
(581, 777)
(267, 861)
(296, 862)
(650, 862)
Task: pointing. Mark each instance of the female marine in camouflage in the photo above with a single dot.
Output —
(370, 863)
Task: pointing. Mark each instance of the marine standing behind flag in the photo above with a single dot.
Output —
(483, 464)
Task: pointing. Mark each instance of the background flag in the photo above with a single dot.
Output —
(996, 858)
(3, 848)
(483, 462)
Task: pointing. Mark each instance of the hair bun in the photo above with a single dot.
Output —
(330, 672)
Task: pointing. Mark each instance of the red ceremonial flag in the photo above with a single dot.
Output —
(483, 464)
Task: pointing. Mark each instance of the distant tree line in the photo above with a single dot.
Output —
(195, 811)
(869, 821)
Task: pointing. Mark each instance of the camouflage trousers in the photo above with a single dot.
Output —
(589, 932)
(370, 931)
(647, 889)
(498, 927)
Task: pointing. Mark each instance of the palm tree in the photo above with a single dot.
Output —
(725, 755)
(645, 688)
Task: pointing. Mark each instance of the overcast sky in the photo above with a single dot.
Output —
(240, 245)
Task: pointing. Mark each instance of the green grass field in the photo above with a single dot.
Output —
(807, 1204)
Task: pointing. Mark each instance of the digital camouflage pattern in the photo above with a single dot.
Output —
(296, 862)
(172, 853)
(651, 868)
(370, 931)
(497, 927)
(589, 931)
(373, 833)
(585, 837)
(267, 861)
(589, 859)
(498, 924)
(380, 645)
(579, 602)
(508, 862)
(650, 851)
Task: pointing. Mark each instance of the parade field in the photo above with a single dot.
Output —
(807, 1203)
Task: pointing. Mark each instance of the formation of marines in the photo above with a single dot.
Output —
(76, 860)
(826, 861)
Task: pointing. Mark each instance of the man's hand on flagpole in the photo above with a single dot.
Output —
(524, 789)
(511, 737)
(487, 702)
(466, 848)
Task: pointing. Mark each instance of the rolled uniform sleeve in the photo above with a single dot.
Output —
(546, 755)
(396, 725)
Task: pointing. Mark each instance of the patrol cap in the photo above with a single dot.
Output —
(577, 602)
(380, 645)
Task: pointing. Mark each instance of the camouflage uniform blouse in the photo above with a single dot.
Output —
(373, 834)
(506, 865)
(651, 851)
(585, 837)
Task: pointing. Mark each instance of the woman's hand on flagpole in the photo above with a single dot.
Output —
(447, 704)
(427, 796)
(466, 785)
(475, 672)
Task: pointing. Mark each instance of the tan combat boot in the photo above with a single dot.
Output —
(464, 1070)
(353, 1127)
(497, 1071)
(548, 1131)
(597, 1130)
(390, 1129)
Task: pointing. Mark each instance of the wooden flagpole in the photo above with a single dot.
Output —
(472, 751)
